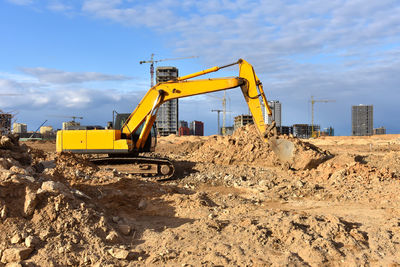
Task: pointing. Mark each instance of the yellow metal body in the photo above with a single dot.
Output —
(146, 111)
(92, 141)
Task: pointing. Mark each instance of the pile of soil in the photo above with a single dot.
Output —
(246, 146)
(45, 221)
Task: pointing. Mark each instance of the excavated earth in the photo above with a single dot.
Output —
(231, 203)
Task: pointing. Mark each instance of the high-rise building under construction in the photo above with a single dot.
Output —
(167, 117)
(362, 120)
(276, 109)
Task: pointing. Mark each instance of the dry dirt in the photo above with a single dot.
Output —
(231, 203)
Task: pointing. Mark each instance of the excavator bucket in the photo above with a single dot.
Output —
(282, 148)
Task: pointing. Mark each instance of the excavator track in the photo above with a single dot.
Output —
(153, 168)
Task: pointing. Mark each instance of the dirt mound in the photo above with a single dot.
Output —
(246, 147)
(48, 222)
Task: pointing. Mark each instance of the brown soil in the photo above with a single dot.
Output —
(232, 203)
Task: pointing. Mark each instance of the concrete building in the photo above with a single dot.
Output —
(242, 120)
(71, 125)
(19, 128)
(380, 130)
(229, 130)
(276, 108)
(362, 120)
(5, 123)
(167, 116)
(285, 130)
(46, 129)
(197, 128)
(304, 130)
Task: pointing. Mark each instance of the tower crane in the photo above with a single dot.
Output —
(152, 62)
(224, 111)
(72, 117)
(313, 101)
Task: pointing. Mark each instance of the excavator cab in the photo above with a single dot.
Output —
(151, 142)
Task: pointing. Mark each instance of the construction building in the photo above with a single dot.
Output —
(229, 130)
(304, 130)
(183, 128)
(285, 130)
(167, 117)
(197, 128)
(380, 130)
(72, 125)
(5, 123)
(327, 132)
(242, 120)
(362, 120)
(19, 128)
(276, 108)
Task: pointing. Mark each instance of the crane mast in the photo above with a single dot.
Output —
(313, 101)
(152, 62)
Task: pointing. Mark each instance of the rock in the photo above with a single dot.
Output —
(14, 264)
(80, 194)
(16, 239)
(31, 241)
(15, 254)
(119, 253)
(112, 237)
(124, 229)
(49, 164)
(115, 219)
(54, 187)
(30, 202)
(3, 212)
(5, 174)
(142, 204)
(5, 142)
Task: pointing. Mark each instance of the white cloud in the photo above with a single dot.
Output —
(46, 75)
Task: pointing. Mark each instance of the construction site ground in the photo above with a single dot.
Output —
(230, 203)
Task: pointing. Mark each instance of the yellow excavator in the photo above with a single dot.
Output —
(132, 134)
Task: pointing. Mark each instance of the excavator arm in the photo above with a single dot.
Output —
(146, 112)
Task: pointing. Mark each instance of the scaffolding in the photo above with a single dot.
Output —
(242, 120)
(5, 123)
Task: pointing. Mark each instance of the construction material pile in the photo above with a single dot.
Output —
(246, 146)
(44, 220)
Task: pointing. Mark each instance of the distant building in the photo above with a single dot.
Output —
(46, 129)
(183, 124)
(183, 130)
(229, 130)
(5, 123)
(167, 116)
(362, 120)
(381, 130)
(327, 132)
(242, 120)
(197, 128)
(304, 130)
(71, 125)
(19, 128)
(285, 130)
(276, 108)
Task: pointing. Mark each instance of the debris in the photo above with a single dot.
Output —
(15, 254)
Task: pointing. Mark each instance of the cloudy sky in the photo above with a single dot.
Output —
(81, 58)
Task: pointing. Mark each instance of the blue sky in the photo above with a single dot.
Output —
(81, 58)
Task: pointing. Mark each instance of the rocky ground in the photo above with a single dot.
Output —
(231, 203)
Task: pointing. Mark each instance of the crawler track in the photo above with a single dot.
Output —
(155, 168)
